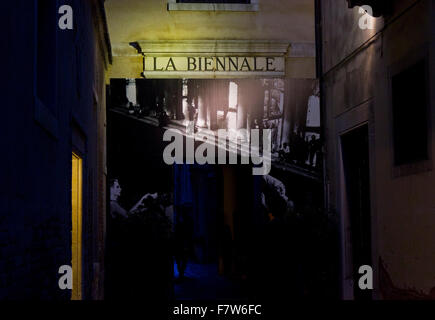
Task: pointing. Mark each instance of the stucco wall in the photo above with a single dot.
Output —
(132, 20)
(358, 89)
(135, 20)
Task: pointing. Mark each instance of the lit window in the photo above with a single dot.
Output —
(76, 230)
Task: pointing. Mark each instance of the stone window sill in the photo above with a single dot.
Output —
(412, 168)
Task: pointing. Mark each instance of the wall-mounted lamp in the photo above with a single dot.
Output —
(380, 7)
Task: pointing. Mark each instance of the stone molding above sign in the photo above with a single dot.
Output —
(296, 60)
(212, 47)
(173, 5)
(213, 59)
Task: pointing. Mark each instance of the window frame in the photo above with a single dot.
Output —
(46, 116)
(424, 165)
(173, 5)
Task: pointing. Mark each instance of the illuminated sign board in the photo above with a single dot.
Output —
(212, 58)
(213, 66)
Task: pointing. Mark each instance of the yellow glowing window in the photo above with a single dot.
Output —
(76, 205)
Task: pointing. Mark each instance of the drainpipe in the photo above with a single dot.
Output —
(319, 75)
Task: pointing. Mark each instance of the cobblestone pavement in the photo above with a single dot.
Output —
(203, 282)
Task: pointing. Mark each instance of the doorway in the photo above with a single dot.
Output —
(355, 150)
(76, 206)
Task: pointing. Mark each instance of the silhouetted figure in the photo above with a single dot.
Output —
(150, 271)
(301, 149)
(193, 116)
(163, 119)
(284, 152)
(117, 236)
(183, 240)
(278, 270)
(226, 249)
(319, 154)
(191, 111)
(312, 150)
(116, 210)
(130, 108)
(273, 256)
(139, 261)
(274, 136)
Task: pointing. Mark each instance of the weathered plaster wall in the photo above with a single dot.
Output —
(358, 89)
(134, 20)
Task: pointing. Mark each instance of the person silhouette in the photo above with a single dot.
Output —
(116, 210)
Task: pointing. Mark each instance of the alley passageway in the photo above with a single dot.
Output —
(202, 282)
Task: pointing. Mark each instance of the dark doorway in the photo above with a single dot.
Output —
(355, 149)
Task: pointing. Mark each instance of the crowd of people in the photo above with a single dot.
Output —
(302, 151)
(144, 242)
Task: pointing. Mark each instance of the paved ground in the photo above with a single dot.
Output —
(204, 283)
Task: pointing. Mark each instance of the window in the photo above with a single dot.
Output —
(76, 232)
(46, 52)
(379, 7)
(213, 5)
(214, 1)
(45, 66)
(410, 114)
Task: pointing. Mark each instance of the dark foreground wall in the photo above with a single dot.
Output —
(51, 106)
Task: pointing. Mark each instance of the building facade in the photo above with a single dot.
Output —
(233, 65)
(53, 136)
(245, 64)
(377, 75)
